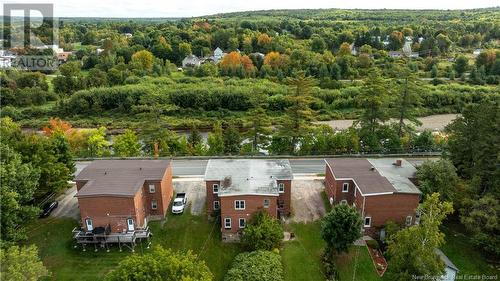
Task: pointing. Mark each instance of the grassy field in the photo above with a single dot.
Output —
(462, 253)
(184, 232)
(302, 257)
(357, 265)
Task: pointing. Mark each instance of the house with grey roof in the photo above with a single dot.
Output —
(382, 189)
(450, 270)
(191, 61)
(237, 188)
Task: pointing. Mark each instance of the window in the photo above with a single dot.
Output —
(89, 224)
(154, 204)
(417, 218)
(242, 223)
(216, 205)
(239, 204)
(343, 202)
(281, 187)
(368, 221)
(266, 203)
(152, 188)
(409, 220)
(227, 223)
(345, 187)
(215, 188)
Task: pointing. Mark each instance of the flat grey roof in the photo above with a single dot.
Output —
(378, 175)
(445, 259)
(119, 177)
(248, 176)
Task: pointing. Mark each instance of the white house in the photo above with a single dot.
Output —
(191, 61)
(450, 270)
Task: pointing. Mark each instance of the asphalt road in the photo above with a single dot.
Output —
(196, 167)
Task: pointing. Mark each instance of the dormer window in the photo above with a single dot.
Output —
(152, 188)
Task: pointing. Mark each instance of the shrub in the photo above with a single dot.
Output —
(263, 232)
(256, 266)
(373, 244)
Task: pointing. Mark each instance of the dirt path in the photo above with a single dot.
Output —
(432, 122)
(307, 204)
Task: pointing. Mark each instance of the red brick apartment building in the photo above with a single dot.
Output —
(240, 187)
(122, 195)
(381, 190)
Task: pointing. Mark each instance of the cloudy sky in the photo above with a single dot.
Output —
(191, 8)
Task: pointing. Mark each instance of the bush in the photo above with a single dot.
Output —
(373, 244)
(263, 232)
(256, 266)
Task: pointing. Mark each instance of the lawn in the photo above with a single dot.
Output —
(462, 253)
(302, 257)
(182, 232)
(357, 265)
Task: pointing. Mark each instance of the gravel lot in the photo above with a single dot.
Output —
(307, 204)
(432, 122)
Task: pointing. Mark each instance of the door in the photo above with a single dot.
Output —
(89, 224)
(130, 224)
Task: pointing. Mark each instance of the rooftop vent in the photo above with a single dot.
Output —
(398, 163)
(372, 168)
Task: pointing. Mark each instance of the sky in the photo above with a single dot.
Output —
(194, 8)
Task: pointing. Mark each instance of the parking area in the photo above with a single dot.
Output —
(68, 205)
(195, 192)
(307, 204)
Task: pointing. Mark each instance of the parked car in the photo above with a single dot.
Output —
(48, 208)
(179, 203)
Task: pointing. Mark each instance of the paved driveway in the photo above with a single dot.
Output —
(195, 192)
(307, 204)
(68, 205)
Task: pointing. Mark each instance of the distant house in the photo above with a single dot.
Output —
(98, 51)
(191, 61)
(217, 56)
(63, 56)
(450, 270)
(476, 52)
(6, 59)
(237, 188)
(354, 52)
(121, 196)
(128, 35)
(380, 189)
(395, 54)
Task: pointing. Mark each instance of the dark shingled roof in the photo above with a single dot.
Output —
(119, 177)
(374, 176)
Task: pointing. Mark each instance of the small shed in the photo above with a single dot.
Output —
(450, 270)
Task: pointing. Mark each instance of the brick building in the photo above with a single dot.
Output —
(122, 195)
(381, 190)
(240, 187)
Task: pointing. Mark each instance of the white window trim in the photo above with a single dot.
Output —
(154, 204)
(240, 201)
(268, 203)
(280, 187)
(370, 222)
(345, 190)
(226, 220)
(87, 220)
(218, 203)
(410, 221)
(343, 202)
(153, 189)
(244, 224)
(214, 186)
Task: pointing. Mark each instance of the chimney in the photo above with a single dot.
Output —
(398, 163)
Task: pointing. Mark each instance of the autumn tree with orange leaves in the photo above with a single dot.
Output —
(234, 64)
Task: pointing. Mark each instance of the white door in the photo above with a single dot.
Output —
(130, 224)
(89, 224)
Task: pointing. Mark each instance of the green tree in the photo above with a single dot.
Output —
(97, 144)
(143, 60)
(19, 182)
(62, 150)
(22, 264)
(232, 140)
(256, 266)
(70, 79)
(216, 140)
(258, 126)
(127, 144)
(481, 217)
(340, 228)
(297, 122)
(161, 264)
(374, 98)
(438, 176)
(474, 145)
(411, 251)
(407, 101)
(461, 64)
(262, 232)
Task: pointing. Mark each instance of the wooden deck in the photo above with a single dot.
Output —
(127, 239)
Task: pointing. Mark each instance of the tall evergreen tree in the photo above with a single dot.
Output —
(232, 140)
(259, 129)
